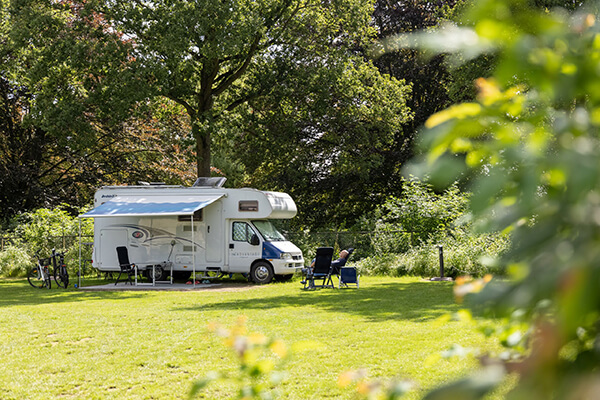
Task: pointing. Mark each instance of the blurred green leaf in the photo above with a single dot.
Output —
(471, 388)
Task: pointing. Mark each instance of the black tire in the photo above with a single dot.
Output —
(161, 273)
(261, 273)
(284, 278)
(35, 279)
(61, 279)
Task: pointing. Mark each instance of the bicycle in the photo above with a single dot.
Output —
(61, 274)
(39, 276)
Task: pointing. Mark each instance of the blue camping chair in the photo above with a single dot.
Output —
(348, 275)
(321, 270)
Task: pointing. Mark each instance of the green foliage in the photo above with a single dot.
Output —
(530, 146)
(14, 261)
(379, 265)
(409, 229)
(70, 112)
(272, 94)
(326, 138)
(464, 254)
(422, 212)
(209, 57)
(43, 230)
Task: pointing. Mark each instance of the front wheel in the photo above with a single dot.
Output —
(39, 278)
(261, 273)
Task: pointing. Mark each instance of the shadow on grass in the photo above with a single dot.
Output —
(15, 292)
(417, 301)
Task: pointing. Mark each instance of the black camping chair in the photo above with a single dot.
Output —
(126, 267)
(321, 270)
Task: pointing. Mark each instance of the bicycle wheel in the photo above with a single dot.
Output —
(36, 278)
(61, 276)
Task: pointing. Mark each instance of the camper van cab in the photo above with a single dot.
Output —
(205, 229)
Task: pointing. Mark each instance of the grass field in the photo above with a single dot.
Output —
(153, 345)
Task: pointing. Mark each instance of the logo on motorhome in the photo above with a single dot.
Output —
(138, 234)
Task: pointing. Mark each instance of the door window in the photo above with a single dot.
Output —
(242, 232)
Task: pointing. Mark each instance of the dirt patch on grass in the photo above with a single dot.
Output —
(229, 287)
(214, 287)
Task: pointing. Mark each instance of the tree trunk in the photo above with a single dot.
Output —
(202, 136)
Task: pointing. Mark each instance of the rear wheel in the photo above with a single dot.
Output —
(36, 278)
(61, 276)
(261, 273)
(159, 272)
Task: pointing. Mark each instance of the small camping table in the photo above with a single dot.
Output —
(153, 265)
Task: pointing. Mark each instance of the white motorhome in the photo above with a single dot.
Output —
(203, 228)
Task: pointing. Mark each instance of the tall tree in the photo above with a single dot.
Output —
(68, 115)
(276, 79)
(325, 138)
(428, 76)
(200, 53)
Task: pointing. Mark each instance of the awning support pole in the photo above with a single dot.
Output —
(79, 275)
(193, 251)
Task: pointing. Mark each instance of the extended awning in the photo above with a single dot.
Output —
(137, 206)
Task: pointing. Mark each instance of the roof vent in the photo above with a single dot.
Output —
(209, 182)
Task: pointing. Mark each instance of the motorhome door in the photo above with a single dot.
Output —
(241, 251)
(110, 239)
(214, 233)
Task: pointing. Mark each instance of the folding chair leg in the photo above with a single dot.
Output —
(329, 282)
(308, 281)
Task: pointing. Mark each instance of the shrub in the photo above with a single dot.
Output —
(377, 265)
(463, 255)
(44, 229)
(14, 262)
(418, 216)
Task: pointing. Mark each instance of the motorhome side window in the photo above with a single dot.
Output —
(186, 218)
(242, 232)
(248, 205)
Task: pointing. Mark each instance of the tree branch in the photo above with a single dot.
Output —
(231, 76)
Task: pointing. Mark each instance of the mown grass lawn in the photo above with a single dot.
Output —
(153, 345)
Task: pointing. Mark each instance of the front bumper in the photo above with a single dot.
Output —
(286, 267)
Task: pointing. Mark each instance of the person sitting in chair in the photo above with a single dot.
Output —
(340, 262)
(336, 264)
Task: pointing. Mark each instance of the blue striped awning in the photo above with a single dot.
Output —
(133, 206)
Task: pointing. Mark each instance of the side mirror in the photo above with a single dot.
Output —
(254, 241)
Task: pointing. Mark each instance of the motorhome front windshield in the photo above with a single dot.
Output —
(268, 231)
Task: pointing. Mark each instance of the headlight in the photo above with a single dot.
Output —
(286, 256)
